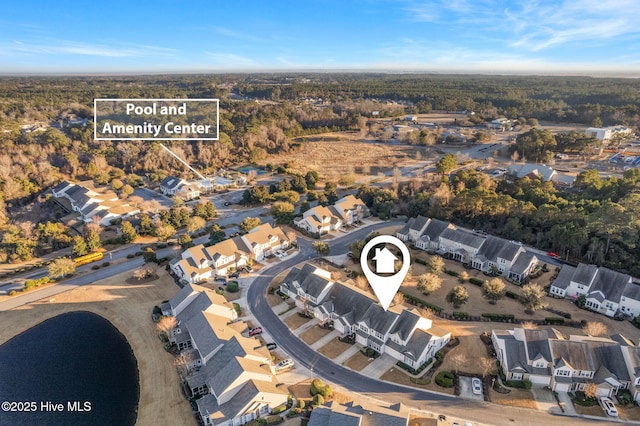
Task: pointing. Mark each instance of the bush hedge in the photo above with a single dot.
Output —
(445, 379)
(421, 303)
(554, 321)
(279, 409)
(461, 315)
(450, 272)
(499, 317)
(232, 287)
(476, 281)
(36, 282)
(520, 384)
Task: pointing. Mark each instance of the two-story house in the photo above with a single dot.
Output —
(322, 219)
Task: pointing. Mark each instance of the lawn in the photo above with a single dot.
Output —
(314, 334)
(395, 375)
(516, 398)
(334, 348)
(357, 362)
(295, 321)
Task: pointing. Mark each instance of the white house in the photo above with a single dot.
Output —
(605, 291)
(606, 133)
(321, 219)
(407, 336)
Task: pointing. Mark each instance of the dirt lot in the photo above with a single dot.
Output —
(334, 348)
(128, 307)
(314, 334)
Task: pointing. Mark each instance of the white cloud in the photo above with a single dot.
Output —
(57, 47)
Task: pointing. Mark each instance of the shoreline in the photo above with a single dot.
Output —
(128, 308)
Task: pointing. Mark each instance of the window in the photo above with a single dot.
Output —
(565, 373)
(516, 376)
(585, 373)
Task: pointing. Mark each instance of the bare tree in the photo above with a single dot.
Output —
(488, 365)
(595, 328)
(463, 276)
(362, 283)
(428, 283)
(166, 325)
(529, 325)
(183, 363)
(292, 237)
(590, 390)
(398, 299)
(459, 359)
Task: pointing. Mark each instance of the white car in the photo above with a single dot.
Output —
(284, 364)
(608, 407)
(476, 385)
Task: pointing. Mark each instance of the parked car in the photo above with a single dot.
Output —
(272, 346)
(476, 384)
(553, 254)
(284, 364)
(222, 280)
(255, 331)
(235, 274)
(608, 407)
(247, 268)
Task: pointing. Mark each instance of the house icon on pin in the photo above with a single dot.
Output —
(384, 261)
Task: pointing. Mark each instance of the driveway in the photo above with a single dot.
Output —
(466, 391)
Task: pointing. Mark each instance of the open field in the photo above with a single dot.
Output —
(128, 307)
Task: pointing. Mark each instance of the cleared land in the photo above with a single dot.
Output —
(128, 307)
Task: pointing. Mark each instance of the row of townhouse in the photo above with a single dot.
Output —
(232, 375)
(200, 263)
(406, 336)
(350, 414)
(320, 219)
(483, 252)
(93, 204)
(545, 358)
(607, 292)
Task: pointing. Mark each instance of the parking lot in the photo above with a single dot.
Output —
(466, 390)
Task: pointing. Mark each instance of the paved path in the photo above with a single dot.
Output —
(567, 404)
(379, 366)
(324, 340)
(545, 400)
(347, 354)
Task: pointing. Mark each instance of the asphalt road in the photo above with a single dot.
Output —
(321, 366)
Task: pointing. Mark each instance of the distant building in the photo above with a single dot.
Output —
(500, 123)
(539, 171)
(606, 133)
(320, 219)
(176, 187)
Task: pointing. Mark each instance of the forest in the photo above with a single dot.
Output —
(264, 115)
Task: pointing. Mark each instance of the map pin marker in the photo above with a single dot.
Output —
(385, 287)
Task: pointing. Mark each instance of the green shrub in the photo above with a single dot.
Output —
(421, 303)
(237, 308)
(300, 404)
(520, 384)
(232, 287)
(450, 272)
(279, 409)
(318, 400)
(499, 317)
(36, 282)
(461, 315)
(12, 293)
(420, 261)
(476, 281)
(554, 321)
(445, 379)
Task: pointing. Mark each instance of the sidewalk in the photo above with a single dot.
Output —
(324, 340)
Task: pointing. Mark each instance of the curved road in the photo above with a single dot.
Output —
(490, 414)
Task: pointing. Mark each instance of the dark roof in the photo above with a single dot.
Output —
(418, 223)
(509, 251)
(563, 280)
(632, 291)
(574, 354)
(76, 192)
(435, 228)
(417, 344)
(522, 262)
(537, 343)
(170, 182)
(378, 319)
(584, 274)
(610, 356)
(407, 226)
(516, 355)
(611, 283)
(491, 248)
(405, 324)
(462, 237)
(62, 186)
(202, 334)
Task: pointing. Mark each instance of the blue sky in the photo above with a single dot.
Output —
(547, 36)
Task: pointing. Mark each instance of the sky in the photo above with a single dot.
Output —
(466, 36)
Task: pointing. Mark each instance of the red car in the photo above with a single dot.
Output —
(552, 254)
(255, 331)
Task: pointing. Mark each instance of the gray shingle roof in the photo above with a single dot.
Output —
(584, 274)
(611, 283)
(632, 291)
(435, 228)
(405, 324)
(610, 356)
(170, 182)
(522, 262)
(574, 354)
(418, 223)
(462, 237)
(537, 342)
(563, 280)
